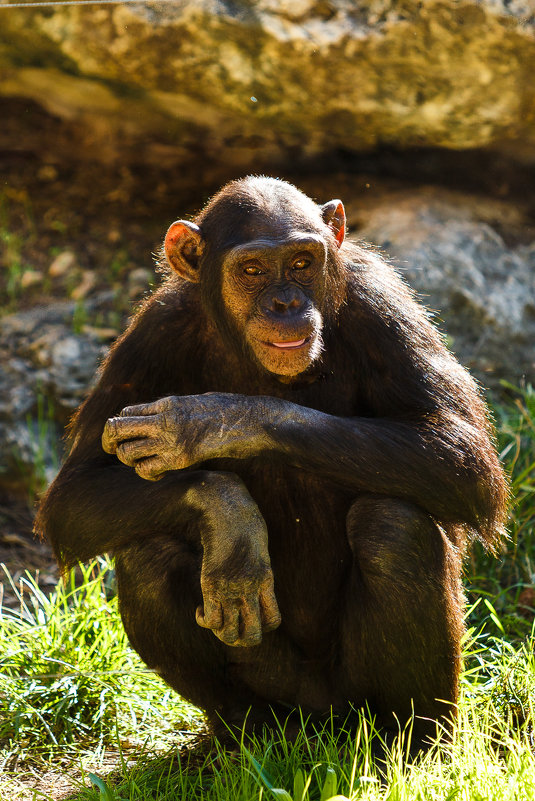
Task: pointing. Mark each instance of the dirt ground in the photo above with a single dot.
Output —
(20, 552)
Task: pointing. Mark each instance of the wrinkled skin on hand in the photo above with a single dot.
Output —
(239, 602)
(238, 610)
(179, 431)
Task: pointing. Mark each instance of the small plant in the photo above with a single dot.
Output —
(80, 317)
(106, 793)
(301, 785)
(119, 265)
(44, 443)
(13, 264)
(12, 245)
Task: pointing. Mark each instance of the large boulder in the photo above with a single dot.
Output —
(471, 259)
(273, 79)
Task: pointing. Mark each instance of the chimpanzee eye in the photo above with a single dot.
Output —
(301, 264)
(252, 269)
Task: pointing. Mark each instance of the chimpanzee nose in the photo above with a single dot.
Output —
(286, 300)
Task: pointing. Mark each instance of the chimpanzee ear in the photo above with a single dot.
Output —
(183, 247)
(334, 215)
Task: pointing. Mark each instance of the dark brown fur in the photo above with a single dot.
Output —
(368, 506)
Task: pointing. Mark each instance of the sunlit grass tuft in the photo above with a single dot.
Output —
(68, 681)
(487, 758)
(508, 581)
(67, 674)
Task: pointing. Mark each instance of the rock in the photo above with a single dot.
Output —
(29, 437)
(17, 390)
(102, 334)
(86, 285)
(30, 278)
(47, 173)
(114, 236)
(63, 264)
(74, 362)
(29, 455)
(448, 246)
(139, 281)
(210, 81)
(68, 364)
(46, 370)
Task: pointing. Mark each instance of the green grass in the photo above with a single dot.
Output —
(75, 698)
(67, 675)
(11, 250)
(508, 581)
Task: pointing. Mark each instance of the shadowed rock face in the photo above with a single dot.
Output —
(277, 79)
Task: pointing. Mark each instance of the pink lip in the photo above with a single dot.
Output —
(297, 344)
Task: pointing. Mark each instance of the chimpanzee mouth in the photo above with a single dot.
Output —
(290, 345)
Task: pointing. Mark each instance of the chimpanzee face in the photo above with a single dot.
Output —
(273, 289)
(260, 251)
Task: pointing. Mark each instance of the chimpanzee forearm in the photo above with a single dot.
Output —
(446, 475)
(105, 507)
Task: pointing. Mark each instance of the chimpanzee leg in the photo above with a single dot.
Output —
(159, 589)
(402, 626)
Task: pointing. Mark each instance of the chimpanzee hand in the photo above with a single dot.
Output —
(176, 432)
(239, 602)
(238, 610)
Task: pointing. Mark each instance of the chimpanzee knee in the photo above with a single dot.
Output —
(394, 540)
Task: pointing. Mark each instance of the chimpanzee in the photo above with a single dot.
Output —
(287, 464)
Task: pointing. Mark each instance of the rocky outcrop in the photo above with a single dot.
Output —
(46, 371)
(472, 262)
(277, 79)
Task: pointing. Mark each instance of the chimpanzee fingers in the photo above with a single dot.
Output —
(270, 614)
(242, 625)
(155, 407)
(108, 440)
(210, 616)
(237, 619)
(229, 632)
(150, 469)
(118, 429)
(250, 623)
(133, 450)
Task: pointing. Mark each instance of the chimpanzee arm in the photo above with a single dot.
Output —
(442, 462)
(98, 506)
